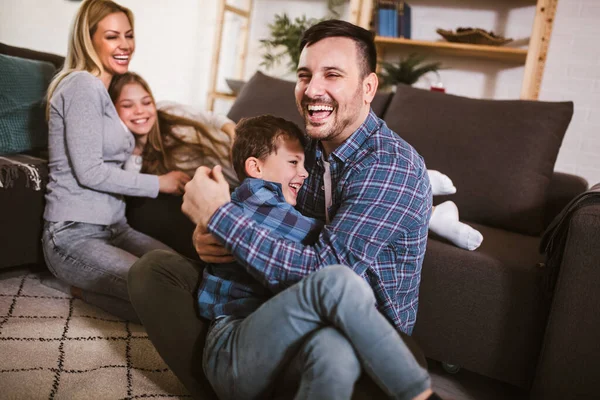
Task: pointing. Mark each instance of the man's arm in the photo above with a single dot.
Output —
(381, 203)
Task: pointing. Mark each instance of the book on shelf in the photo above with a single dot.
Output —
(392, 18)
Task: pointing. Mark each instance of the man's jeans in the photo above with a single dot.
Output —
(318, 334)
(96, 259)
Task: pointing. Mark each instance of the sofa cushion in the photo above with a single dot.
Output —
(264, 94)
(23, 85)
(485, 310)
(500, 154)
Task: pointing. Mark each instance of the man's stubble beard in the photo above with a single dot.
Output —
(338, 126)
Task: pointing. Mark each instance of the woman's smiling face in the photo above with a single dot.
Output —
(136, 109)
(114, 43)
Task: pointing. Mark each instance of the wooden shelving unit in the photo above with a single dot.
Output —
(245, 13)
(508, 54)
(534, 57)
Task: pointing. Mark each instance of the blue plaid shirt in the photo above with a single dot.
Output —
(231, 289)
(379, 220)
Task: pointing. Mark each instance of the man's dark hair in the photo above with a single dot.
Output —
(336, 28)
(257, 137)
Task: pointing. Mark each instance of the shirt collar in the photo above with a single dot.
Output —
(355, 141)
(252, 185)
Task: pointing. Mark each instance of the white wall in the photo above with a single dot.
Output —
(173, 43)
(175, 40)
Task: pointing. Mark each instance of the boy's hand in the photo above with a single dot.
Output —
(204, 194)
(209, 249)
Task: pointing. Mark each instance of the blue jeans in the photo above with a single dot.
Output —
(96, 259)
(321, 331)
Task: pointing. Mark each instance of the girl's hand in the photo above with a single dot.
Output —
(173, 182)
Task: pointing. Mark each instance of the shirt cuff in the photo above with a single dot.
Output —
(225, 220)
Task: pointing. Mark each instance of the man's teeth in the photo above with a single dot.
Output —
(295, 186)
(319, 108)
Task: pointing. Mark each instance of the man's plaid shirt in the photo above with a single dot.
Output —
(228, 289)
(379, 221)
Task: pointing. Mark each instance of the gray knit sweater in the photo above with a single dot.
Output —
(87, 146)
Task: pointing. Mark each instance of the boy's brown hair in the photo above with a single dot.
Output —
(257, 137)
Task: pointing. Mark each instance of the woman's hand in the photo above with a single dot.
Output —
(173, 182)
(209, 248)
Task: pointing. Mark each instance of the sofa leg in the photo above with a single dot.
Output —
(451, 368)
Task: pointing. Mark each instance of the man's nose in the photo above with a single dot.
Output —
(315, 88)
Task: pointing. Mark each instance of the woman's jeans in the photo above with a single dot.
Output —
(315, 336)
(96, 259)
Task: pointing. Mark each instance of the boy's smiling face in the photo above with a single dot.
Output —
(285, 166)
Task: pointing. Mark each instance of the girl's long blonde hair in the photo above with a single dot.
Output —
(81, 55)
(158, 156)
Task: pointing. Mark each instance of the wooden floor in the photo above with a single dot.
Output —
(466, 385)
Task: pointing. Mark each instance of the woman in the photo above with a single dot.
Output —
(172, 137)
(87, 242)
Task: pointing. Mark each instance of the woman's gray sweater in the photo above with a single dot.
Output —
(87, 146)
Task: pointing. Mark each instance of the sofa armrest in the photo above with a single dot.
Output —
(568, 365)
(563, 188)
(22, 186)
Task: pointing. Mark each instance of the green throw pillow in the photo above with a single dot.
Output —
(23, 85)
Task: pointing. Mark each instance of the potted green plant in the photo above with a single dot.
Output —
(408, 71)
(284, 41)
(286, 34)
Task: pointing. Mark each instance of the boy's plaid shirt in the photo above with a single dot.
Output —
(228, 289)
(380, 217)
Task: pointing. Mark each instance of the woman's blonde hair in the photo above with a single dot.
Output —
(81, 55)
(162, 145)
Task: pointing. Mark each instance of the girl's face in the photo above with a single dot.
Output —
(136, 109)
(114, 43)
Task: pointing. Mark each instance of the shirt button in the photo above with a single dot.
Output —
(323, 187)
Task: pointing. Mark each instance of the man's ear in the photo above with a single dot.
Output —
(370, 85)
(253, 167)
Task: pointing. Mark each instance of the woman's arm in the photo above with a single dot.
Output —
(85, 116)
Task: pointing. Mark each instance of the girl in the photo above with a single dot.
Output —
(87, 242)
(172, 137)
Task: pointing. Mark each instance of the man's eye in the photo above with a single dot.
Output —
(294, 162)
(333, 76)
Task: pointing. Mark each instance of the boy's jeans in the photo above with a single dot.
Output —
(96, 259)
(318, 333)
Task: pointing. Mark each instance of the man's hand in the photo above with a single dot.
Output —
(209, 249)
(204, 194)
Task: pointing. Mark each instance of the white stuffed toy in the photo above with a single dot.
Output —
(444, 220)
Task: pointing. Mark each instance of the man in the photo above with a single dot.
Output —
(369, 185)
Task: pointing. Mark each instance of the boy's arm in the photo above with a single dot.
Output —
(380, 203)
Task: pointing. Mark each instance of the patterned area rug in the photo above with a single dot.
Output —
(53, 346)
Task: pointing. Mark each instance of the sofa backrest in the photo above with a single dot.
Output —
(29, 54)
(499, 153)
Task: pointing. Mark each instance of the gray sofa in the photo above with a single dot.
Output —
(497, 311)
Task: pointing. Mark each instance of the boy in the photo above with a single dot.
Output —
(268, 157)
